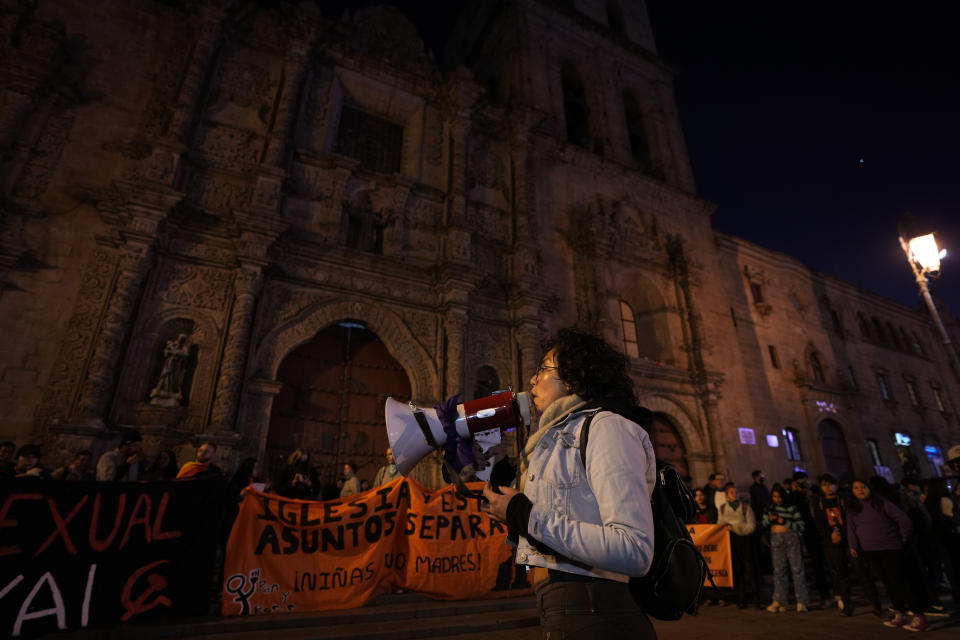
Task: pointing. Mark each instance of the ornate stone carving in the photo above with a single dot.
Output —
(246, 286)
(217, 193)
(102, 367)
(81, 327)
(433, 136)
(193, 286)
(242, 80)
(232, 148)
(43, 157)
(285, 337)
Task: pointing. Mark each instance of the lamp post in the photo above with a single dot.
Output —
(924, 256)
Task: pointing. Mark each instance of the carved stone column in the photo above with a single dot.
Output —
(205, 39)
(226, 400)
(528, 338)
(99, 380)
(455, 325)
(281, 132)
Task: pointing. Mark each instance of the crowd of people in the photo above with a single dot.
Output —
(298, 478)
(905, 535)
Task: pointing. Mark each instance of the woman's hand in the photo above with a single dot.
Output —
(853, 552)
(496, 504)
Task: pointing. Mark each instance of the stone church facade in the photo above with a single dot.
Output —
(251, 222)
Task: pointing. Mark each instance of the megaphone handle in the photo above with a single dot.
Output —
(454, 475)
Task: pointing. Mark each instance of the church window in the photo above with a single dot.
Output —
(912, 392)
(817, 368)
(629, 325)
(637, 132)
(377, 143)
(791, 443)
(864, 326)
(773, 356)
(575, 109)
(882, 383)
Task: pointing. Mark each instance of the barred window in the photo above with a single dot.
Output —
(375, 142)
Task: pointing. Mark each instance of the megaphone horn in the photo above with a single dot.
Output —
(482, 419)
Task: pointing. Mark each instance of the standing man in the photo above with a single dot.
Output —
(387, 472)
(123, 463)
(6, 459)
(351, 483)
(203, 466)
(759, 494)
(77, 471)
(831, 518)
(811, 539)
(714, 490)
(741, 523)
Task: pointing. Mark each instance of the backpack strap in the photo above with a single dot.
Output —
(585, 434)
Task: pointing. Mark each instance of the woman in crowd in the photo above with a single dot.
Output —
(164, 467)
(785, 525)
(877, 531)
(298, 479)
(706, 513)
(586, 528)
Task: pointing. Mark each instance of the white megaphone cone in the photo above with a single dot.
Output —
(481, 420)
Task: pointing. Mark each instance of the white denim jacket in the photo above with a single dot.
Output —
(599, 518)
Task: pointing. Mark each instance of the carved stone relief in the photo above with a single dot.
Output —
(80, 332)
(193, 286)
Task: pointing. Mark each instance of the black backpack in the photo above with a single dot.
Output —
(674, 582)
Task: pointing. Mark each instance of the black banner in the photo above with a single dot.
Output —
(77, 555)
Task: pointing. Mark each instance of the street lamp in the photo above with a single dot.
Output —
(924, 257)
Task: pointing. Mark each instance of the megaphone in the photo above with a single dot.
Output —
(482, 420)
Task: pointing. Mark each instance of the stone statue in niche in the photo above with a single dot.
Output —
(168, 391)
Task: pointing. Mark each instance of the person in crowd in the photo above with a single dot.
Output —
(877, 530)
(830, 516)
(785, 525)
(164, 466)
(584, 549)
(714, 489)
(203, 466)
(911, 501)
(759, 494)
(7, 448)
(706, 513)
(387, 472)
(351, 483)
(298, 479)
(800, 498)
(27, 463)
(123, 463)
(237, 488)
(946, 532)
(77, 471)
(245, 475)
(741, 522)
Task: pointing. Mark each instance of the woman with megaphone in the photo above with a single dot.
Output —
(586, 529)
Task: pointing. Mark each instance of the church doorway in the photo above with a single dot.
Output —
(331, 403)
(668, 446)
(835, 452)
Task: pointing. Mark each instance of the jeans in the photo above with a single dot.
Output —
(889, 564)
(785, 549)
(586, 608)
(838, 559)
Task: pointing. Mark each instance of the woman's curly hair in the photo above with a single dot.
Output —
(594, 370)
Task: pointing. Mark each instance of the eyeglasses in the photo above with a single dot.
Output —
(536, 376)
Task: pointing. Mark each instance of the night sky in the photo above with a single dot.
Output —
(814, 125)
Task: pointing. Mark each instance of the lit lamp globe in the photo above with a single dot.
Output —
(924, 251)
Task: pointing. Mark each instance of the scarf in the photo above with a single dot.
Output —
(191, 469)
(556, 413)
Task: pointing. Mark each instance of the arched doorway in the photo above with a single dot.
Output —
(334, 389)
(668, 446)
(835, 452)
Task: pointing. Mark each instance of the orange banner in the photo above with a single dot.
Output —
(713, 541)
(296, 555)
